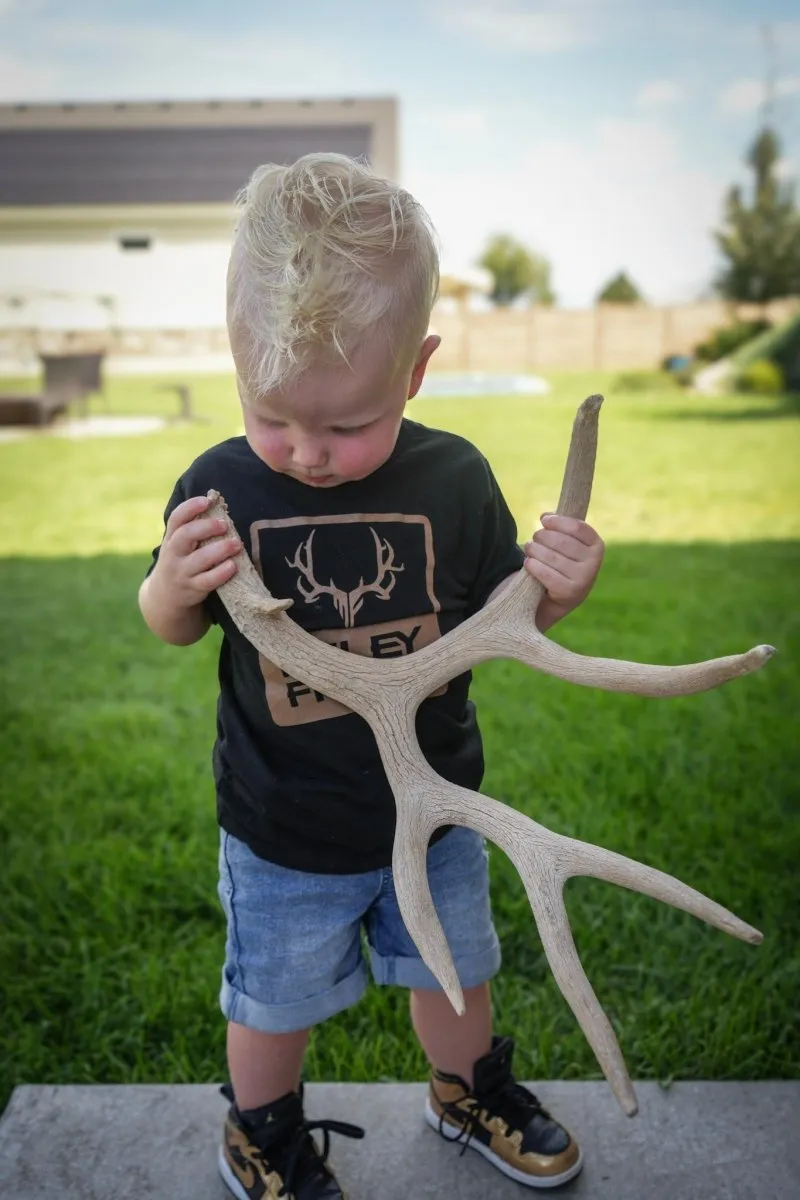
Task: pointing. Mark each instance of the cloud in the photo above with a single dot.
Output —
(508, 28)
(620, 196)
(551, 26)
(658, 93)
(745, 96)
(82, 60)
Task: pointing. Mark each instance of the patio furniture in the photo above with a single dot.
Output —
(30, 408)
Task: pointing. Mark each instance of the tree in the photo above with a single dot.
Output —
(620, 290)
(761, 241)
(516, 271)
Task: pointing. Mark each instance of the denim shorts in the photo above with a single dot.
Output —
(294, 953)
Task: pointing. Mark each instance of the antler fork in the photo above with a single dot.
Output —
(387, 694)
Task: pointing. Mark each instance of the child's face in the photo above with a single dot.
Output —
(334, 425)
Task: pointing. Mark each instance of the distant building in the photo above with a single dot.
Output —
(119, 216)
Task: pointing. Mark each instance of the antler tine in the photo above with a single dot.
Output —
(420, 800)
(545, 860)
(641, 679)
(576, 488)
(410, 875)
(552, 921)
(582, 858)
(245, 594)
(576, 493)
(505, 629)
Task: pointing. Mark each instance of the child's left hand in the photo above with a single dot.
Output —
(565, 556)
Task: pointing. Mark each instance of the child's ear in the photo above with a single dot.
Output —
(431, 343)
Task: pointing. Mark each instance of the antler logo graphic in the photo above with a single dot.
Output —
(347, 604)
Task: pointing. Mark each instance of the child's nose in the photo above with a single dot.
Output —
(309, 453)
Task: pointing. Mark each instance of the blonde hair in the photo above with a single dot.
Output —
(326, 253)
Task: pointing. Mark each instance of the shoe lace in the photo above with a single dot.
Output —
(515, 1103)
(301, 1160)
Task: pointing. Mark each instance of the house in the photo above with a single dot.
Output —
(116, 219)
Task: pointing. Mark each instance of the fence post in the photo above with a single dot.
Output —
(531, 342)
(666, 333)
(466, 336)
(598, 332)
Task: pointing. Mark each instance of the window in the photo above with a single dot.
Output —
(135, 241)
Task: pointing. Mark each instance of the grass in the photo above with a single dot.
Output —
(110, 943)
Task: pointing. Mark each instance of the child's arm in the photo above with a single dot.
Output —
(565, 556)
(171, 598)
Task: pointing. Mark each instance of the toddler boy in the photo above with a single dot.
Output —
(386, 534)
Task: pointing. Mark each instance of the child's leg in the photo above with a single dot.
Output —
(292, 959)
(264, 1066)
(453, 1044)
(459, 883)
(473, 1096)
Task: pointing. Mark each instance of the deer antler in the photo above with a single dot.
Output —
(387, 694)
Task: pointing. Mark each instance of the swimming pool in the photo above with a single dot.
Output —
(477, 383)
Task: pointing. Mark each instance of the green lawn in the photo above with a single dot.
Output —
(110, 939)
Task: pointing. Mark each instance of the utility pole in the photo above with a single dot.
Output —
(770, 78)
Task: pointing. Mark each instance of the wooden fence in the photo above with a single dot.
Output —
(611, 337)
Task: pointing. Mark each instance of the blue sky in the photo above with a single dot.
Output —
(604, 133)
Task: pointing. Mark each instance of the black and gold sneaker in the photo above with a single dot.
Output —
(269, 1154)
(503, 1121)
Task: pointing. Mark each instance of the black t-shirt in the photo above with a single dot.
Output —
(380, 567)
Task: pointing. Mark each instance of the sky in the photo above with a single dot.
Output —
(602, 133)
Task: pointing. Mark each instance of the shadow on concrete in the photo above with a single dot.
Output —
(685, 1144)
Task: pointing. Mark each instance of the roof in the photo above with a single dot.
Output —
(172, 153)
(153, 166)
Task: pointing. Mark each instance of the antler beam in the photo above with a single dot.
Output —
(387, 694)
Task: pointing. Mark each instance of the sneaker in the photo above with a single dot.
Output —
(269, 1152)
(503, 1121)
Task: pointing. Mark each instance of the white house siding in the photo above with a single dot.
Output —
(62, 285)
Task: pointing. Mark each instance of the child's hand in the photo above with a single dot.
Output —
(186, 570)
(565, 557)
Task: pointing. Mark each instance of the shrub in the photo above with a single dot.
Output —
(684, 377)
(620, 290)
(763, 377)
(729, 338)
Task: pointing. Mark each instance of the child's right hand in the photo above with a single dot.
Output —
(188, 571)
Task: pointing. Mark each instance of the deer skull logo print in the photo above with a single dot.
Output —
(347, 603)
(387, 694)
